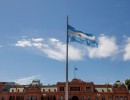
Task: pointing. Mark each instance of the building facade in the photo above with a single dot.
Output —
(77, 89)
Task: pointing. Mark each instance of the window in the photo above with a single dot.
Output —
(18, 90)
(2, 98)
(125, 98)
(55, 90)
(117, 98)
(29, 98)
(61, 97)
(42, 98)
(49, 90)
(88, 89)
(103, 98)
(82, 98)
(12, 90)
(121, 98)
(22, 97)
(88, 98)
(48, 98)
(74, 88)
(34, 98)
(96, 98)
(43, 90)
(54, 97)
(109, 98)
(61, 88)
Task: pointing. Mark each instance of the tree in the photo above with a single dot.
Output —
(127, 82)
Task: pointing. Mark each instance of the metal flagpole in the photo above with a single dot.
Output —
(74, 71)
(66, 92)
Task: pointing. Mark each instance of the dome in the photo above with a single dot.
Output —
(119, 84)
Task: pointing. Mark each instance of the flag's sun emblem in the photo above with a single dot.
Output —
(79, 35)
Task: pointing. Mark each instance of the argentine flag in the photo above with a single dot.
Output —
(81, 37)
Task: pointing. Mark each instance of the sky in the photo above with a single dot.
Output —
(33, 40)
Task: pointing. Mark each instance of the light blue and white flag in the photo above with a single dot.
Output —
(81, 37)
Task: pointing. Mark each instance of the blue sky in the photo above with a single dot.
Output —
(33, 39)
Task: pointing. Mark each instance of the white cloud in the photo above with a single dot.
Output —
(26, 80)
(107, 48)
(57, 50)
(53, 49)
(37, 39)
(23, 43)
(39, 45)
(24, 36)
(53, 40)
(126, 55)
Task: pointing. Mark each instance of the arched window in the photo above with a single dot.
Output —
(88, 98)
(17, 97)
(13, 98)
(117, 98)
(54, 97)
(125, 98)
(61, 97)
(121, 98)
(51, 97)
(103, 98)
(2, 98)
(96, 98)
(22, 98)
(42, 98)
(48, 98)
(82, 97)
(34, 97)
(109, 98)
(10, 97)
(29, 98)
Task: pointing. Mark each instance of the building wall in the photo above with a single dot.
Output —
(48, 89)
(78, 90)
(16, 90)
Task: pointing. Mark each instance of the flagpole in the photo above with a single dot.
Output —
(74, 73)
(66, 90)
